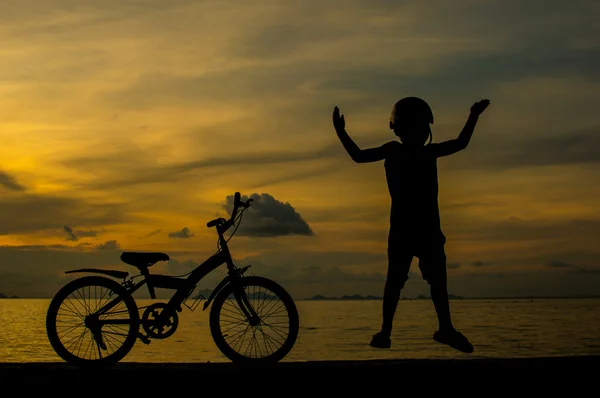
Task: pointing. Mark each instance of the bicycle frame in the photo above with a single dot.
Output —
(185, 286)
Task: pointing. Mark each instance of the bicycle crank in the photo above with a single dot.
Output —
(159, 321)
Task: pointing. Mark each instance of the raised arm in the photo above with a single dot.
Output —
(357, 154)
(458, 144)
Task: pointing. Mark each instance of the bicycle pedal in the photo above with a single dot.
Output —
(144, 339)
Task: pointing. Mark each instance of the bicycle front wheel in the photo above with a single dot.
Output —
(270, 336)
(83, 331)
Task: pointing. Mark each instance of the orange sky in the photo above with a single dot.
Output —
(129, 121)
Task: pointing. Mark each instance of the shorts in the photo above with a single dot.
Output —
(428, 248)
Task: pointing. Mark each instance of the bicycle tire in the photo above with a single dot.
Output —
(59, 299)
(292, 319)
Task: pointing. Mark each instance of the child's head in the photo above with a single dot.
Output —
(410, 120)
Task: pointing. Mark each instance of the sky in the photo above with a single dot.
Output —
(128, 125)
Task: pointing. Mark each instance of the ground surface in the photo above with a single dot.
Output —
(481, 377)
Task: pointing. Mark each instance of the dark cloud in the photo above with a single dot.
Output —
(524, 283)
(70, 234)
(292, 259)
(573, 267)
(514, 152)
(315, 274)
(452, 265)
(9, 182)
(480, 264)
(560, 264)
(157, 231)
(268, 217)
(527, 150)
(115, 174)
(299, 173)
(32, 213)
(108, 245)
(527, 230)
(75, 235)
(183, 233)
(38, 270)
(183, 267)
(177, 267)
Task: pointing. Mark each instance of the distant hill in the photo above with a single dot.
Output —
(205, 293)
(3, 296)
(450, 296)
(320, 297)
(345, 297)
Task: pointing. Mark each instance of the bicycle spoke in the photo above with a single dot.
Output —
(262, 339)
(77, 312)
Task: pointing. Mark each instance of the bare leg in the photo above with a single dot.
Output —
(437, 279)
(391, 297)
(439, 296)
(398, 266)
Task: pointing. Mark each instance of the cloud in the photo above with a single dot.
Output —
(32, 213)
(574, 267)
(524, 283)
(252, 106)
(156, 231)
(108, 245)
(560, 264)
(38, 270)
(184, 233)
(315, 274)
(520, 230)
(480, 264)
(176, 267)
(75, 235)
(268, 217)
(9, 182)
(527, 150)
(111, 170)
(452, 265)
(70, 234)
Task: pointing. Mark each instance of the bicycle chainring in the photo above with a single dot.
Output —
(155, 321)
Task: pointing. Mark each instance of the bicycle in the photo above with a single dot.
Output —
(109, 331)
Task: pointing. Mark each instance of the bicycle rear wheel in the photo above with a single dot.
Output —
(80, 334)
(269, 337)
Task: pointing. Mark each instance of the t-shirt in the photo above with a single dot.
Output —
(412, 180)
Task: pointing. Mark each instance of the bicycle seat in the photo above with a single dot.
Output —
(138, 259)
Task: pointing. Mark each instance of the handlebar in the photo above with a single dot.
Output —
(223, 224)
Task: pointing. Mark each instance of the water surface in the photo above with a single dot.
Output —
(341, 330)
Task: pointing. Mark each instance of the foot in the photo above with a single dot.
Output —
(381, 340)
(454, 339)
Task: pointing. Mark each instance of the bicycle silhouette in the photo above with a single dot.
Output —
(102, 329)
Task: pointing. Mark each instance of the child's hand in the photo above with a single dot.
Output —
(338, 121)
(479, 107)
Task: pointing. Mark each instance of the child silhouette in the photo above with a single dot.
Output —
(415, 229)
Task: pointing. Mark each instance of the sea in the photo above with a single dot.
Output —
(342, 329)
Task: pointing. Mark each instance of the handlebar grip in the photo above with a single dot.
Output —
(236, 200)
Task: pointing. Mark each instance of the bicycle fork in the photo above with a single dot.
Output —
(242, 299)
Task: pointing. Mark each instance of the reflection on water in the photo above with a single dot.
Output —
(342, 330)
